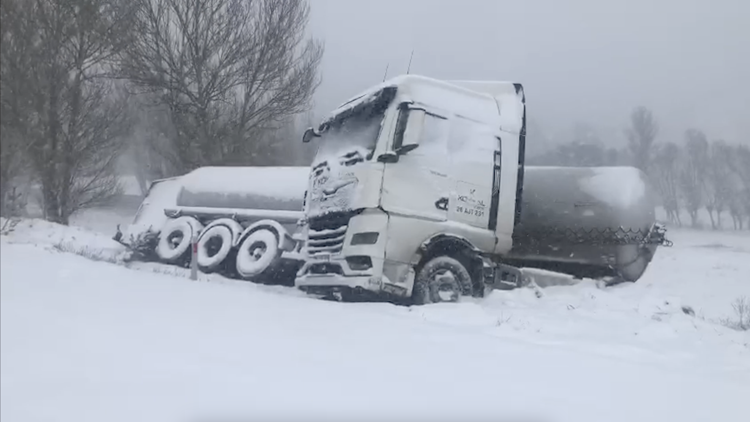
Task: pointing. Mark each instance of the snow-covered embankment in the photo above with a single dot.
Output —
(85, 340)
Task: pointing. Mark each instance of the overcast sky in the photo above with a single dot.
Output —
(579, 60)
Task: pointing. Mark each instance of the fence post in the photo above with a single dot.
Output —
(194, 257)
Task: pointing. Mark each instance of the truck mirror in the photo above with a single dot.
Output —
(413, 131)
(388, 157)
(407, 148)
(309, 134)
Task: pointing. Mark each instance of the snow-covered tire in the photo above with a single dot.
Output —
(257, 252)
(441, 279)
(175, 239)
(214, 245)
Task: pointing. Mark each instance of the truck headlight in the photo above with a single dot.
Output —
(365, 238)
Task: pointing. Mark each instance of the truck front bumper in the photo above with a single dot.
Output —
(359, 285)
(334, 275)
(320, 276)
(335, 280)
(355, 266)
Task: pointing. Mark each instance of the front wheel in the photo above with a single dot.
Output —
(257, 253)
(441, 279)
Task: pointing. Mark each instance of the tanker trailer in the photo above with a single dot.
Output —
(141, 235)
(244, 220)
(594, 222)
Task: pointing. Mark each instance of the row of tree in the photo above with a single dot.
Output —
(701, 174)
(691, 175)
(177, 84)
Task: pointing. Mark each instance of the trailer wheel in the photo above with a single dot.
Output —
(214, 246)
(175, 239)
(257, 253)
(441, 279)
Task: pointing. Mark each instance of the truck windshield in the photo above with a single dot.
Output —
(351, 139)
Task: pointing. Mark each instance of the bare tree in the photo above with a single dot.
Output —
(719, 188)
(278, 146)
(641, 136)
(69, 116)
(285, 145)
(666, 172)
(14, 110)
(150, 142)
(694, 172)
(229, 71)
(739, 203)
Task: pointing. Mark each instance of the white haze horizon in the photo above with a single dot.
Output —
(580, 60)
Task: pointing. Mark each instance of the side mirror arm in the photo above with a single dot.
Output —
(388, 157)
(309, 134)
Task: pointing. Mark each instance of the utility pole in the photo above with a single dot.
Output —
(194, 257)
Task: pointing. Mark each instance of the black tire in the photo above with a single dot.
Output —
(175, 239)
(214, 246)
(442, 279)
(257, 254)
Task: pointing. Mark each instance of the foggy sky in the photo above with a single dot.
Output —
(579, 60)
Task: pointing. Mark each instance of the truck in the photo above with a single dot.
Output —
(243, 221)
(418, 193)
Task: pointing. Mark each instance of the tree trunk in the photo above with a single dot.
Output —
(67, 160)
(51, 206)
(48, 158)
(711, 216)
(65, 216)
(718, 218)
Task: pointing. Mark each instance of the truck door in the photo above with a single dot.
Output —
(473, 150)
(418, 184)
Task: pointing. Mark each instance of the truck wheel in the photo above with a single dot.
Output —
(214, 246)
(441, 279)
(256, 253)
(175, 239)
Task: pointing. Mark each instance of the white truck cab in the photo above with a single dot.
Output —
(416, 185)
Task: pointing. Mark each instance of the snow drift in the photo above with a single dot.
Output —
(91, 341)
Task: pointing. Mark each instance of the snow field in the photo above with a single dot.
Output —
(84, 340)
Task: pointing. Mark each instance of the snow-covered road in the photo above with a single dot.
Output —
(93, 341)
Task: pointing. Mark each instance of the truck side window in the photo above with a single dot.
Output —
(434, 139)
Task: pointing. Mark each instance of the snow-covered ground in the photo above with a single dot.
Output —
(96, 341)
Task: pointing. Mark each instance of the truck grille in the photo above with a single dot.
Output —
(326, 241)
(326, 233)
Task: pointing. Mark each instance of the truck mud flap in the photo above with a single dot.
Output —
(504, 277)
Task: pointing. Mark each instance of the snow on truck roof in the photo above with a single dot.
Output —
(496, 89)
(480, 88)
(503, 95)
